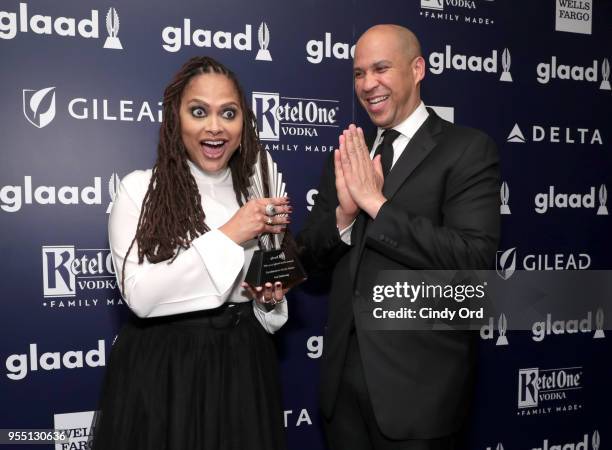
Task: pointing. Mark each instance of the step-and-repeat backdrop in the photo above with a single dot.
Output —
(81, 86)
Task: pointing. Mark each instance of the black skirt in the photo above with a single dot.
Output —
(206, 380)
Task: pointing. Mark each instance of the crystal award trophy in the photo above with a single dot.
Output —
(276, 259)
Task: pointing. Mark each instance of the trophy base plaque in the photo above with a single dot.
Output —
(270, 266)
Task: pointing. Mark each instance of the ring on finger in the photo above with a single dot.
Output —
(269, 221)
(270, 210)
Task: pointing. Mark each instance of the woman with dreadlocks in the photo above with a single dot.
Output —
(196, 368)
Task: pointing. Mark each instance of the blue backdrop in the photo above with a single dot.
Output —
(81, 89)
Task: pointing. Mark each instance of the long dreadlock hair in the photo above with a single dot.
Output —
(172, 215)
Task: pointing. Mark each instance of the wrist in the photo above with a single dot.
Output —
(228, 230)
(343, 220)
(373, 205)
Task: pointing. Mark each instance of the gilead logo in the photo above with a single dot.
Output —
(19, 365)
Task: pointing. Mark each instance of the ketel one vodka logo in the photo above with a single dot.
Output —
(12, 23)
(552, 199)
(175, 38)
(547, 71)
(279, 116)
(39, 106)
(543, 391)
(441, 61)
(68, 270)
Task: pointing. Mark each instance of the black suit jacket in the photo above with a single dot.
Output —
(442, 212)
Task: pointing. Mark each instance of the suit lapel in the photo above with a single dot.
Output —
(421, 144)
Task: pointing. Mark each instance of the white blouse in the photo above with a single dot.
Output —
(204, 276)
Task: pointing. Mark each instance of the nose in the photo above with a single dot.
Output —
(213, 125)
(369, 82)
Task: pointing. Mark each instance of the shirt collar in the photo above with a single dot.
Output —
(411, 124)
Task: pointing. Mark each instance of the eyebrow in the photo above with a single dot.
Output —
(382, 62)
(200, 101)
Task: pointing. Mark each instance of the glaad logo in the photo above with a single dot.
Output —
(504, 194)
(88, 28)
(311, 198)
(499, 446)
(317, 50)
(556, 135)
(506, 262)
(583, 444)
(549, 327)
(67, 270)
(174, 38)
(314, 346)
(550, 71)
(574, 16)
(113, 186)
(439, 61)
(551, 199)
(12, 198)
(539, 387)
(487, 330)
(39, 106)
(292, 116)
(112, 28)
(19, 364)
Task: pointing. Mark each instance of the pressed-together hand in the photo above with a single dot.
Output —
(347, 209)
(268, 295)
(362, 176)
(252, 219)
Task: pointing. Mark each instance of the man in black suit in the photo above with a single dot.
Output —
(423, 195)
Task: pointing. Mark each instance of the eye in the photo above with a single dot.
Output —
(381, 69)
(198, 111)
(229, 114)
(358, 75)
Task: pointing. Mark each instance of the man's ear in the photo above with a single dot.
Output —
(418, 68)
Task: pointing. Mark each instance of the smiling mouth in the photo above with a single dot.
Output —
(377, 100)
(213, 148)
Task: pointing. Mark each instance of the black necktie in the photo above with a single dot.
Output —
(385, 149)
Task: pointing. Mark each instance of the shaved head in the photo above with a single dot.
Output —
(404, 40)
(388, 69)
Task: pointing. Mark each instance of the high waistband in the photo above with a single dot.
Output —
(227, 315)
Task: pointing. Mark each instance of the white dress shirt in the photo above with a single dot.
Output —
(204, 276)
(407, 129)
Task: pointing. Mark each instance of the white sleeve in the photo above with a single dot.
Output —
(345, 234)
(200, 277)
(275, 318)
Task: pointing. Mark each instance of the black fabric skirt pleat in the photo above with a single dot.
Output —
(206, 380)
